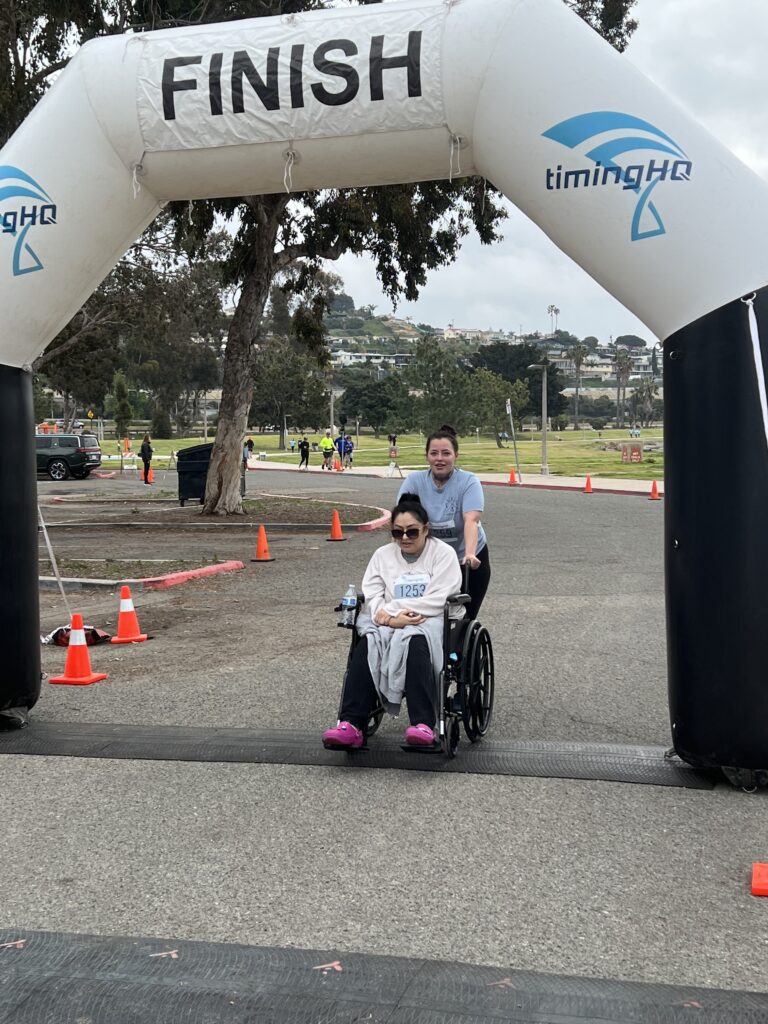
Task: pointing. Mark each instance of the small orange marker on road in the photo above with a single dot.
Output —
(654, 495)
(760, 879)
(512, 477)
(588, 487)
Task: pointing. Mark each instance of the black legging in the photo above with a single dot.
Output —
(360, 692)
(477, 583)
(146, 471)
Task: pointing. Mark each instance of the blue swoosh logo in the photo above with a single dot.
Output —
(575, 131)
(30, 189)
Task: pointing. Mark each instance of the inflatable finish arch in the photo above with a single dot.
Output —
(653, 207)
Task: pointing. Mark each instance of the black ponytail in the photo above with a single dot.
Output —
(410, 503)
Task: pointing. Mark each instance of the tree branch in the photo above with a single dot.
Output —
(44, 73)
(89, 326)
(291, 253)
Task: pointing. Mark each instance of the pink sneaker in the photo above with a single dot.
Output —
(420, 736)
(344, 736)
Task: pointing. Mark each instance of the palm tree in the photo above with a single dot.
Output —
(645, 393)
(578, 353)
(623, 366)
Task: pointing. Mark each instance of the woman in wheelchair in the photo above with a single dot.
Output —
(400, 650)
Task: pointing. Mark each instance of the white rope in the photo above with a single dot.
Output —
(137, 170)
(758, 357)
(455, 149)
(290, 160)
(54, 564)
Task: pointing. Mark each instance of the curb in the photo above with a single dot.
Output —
(571, 487)
(172, 579)
(375, 524)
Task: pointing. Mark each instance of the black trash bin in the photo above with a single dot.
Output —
(192, 465)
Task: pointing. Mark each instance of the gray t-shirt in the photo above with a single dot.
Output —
(462, 492)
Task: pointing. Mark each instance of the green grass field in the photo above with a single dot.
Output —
(570, 453)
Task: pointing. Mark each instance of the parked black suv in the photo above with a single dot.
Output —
(63, 455)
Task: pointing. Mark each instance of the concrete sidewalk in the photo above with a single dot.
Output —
(606, 485)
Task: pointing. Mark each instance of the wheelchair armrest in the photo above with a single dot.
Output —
(459, 599)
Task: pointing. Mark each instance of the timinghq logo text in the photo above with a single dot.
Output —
(23, 205)
(611, 136)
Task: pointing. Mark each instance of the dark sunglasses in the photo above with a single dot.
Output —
(411, 533)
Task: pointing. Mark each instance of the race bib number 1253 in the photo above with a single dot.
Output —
(410, 585)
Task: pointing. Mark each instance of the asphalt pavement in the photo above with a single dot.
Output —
(586, 878)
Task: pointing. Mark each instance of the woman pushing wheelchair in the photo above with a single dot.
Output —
(400, 648)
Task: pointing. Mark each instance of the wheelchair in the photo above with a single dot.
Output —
(464, 688)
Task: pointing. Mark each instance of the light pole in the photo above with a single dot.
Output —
(543, 367)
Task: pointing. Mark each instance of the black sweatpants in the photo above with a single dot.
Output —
(420, 691)
(477, 583)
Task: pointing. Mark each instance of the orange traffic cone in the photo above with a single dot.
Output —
(262, 548)
(588, 487)
(128, 631)
(336, 533)
(77, 667)
(654, 495)
(337, 464)
(512, 477)
(760, 879)
(150, 475)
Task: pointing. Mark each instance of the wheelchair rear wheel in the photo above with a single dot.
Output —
(482, 679)
(466, 678)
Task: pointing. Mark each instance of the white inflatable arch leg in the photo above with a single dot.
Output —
(661, 214)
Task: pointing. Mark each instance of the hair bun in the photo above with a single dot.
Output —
(448, 429)
(412, 499)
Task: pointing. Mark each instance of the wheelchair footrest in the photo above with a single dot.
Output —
(421, 748)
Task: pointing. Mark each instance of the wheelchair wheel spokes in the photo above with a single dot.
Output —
(447, 719)
(466, 681)
(464, 695)
(374, 721)
(450, 741)
(482, 682)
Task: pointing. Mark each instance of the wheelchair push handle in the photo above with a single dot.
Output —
(462, 597)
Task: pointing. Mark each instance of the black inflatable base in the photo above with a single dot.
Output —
(641, 765)
(54, 977)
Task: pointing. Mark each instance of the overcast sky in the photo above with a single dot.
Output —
(710, 56)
